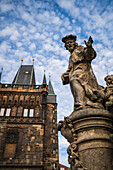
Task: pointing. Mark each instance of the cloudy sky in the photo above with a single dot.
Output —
(35, 29)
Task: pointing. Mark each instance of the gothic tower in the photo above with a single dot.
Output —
(28, 123)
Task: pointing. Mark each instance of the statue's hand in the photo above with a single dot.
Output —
(65, 78)
(89, 43)
(66, 74)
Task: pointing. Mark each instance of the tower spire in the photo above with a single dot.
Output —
(44, 79)
(1, 74)
(50, 87)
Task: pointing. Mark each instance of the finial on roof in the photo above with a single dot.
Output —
(33, 59)
(44, 79)
(22, 60)
(49, 75)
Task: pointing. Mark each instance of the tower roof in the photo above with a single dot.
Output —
(1, 74)
(51, 98)
(44, 79)
(50, 88)
(25, 75)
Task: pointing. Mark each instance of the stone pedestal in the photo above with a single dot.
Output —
(94, 148)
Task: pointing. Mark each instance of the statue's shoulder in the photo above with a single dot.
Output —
(80, 47)
(77, 54)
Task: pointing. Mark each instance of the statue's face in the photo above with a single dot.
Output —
(70, 45)
(109, 80)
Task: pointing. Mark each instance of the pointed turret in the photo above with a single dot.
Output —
(50, 88)
(51, 98)
(1, 74)
(44, 79)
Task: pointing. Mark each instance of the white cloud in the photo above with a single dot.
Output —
(27, 2)
(15, 36)
(4, 47)
(56, 37)
(27, 17)
(6, 7)
(32, 29)
(10, 31)
(66, 4)
(6, 32)
(32, 46)
(19, 44)
(23, 28)
(56, 20)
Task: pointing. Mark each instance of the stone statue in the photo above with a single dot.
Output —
(89, 128)
(80, 76)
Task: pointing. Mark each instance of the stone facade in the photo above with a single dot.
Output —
(28, 128)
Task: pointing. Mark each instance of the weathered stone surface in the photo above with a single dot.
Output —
(90, 132)
(109, 93)
(32, 147)
(84, 87)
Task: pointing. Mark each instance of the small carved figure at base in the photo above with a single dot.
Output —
(109, 93)
(66, 129)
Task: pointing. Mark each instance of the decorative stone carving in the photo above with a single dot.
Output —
(73, 157)
(69, 132)
(109, 91)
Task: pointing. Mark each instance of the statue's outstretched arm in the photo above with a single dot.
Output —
(89, 43)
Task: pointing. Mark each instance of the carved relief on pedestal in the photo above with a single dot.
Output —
(109, 91)
(69, 132)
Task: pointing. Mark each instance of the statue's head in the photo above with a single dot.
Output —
(70, 43)
(109, 80)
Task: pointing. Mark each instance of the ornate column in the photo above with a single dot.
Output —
(88, 132)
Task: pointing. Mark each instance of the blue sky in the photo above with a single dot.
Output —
(35, 29)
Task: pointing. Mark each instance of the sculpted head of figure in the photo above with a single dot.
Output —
(109, 80)
(70, 43)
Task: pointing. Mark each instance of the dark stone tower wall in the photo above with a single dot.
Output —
(51, 136)
(28, 128)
